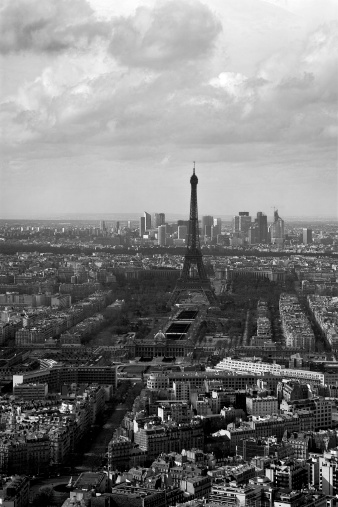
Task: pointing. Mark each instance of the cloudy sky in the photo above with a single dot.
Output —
(106, 104)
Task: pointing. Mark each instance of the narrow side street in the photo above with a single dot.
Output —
(94, 458)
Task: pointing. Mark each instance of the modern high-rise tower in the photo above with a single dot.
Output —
(159, 219)
(276, 229)
(161, 235)
(147, 221)
(142, 227)
(262, 224)
(242, 222)
(307, 236)
(193, 276)
(207, 223)
(103, 226)
(182, 231)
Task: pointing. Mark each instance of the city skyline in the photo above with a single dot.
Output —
(105, 107)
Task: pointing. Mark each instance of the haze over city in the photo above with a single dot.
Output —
(105, 106)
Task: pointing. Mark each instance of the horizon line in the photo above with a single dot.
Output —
(97, 216)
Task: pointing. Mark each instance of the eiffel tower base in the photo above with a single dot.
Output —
(184, 286)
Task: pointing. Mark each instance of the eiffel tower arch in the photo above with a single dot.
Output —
(193, 277)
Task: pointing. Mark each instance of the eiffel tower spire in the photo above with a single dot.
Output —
(193, 276)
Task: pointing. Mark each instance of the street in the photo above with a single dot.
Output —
(92, 459)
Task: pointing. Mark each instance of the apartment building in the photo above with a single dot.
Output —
(261, 406)
(169, 437)
(58, 375)
(30, 391)
(288, 474)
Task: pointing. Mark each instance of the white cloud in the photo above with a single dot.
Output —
(50, 26)
(157, 86)
(170, 33)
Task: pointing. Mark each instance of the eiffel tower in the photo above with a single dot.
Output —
(193, 277)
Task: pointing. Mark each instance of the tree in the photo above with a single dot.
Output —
(45, 497)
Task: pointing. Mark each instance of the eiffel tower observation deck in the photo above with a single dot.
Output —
(193, 277)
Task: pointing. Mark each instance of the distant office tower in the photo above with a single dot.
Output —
(142, 226)
(156, 220)
(214, 231)
(182, 232)
(216, 228)
(253, 235)
(276, 229)
(159, 219)
(129, 224)
(262, 224)
(161, 235)
(183, 222)
(147, 218)
(102, 226)
(235, 223)
(307, 236)
(244, 222)
(207, 223)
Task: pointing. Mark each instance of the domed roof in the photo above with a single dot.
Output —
(160, 336)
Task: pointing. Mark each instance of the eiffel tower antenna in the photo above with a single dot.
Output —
(193, 276)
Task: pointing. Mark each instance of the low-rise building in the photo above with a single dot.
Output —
(232, 495)
(14, 491)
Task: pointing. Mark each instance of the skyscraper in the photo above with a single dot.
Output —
(244, 222)
(262, 224)
(184, 222)
(159, 219)
(253, 234)
(142, 226)
(161, 235)
(276, 229)
(147, 219)
(207, 222)
(217, 227)
(182, 232)
(235, 224)
(307, 236)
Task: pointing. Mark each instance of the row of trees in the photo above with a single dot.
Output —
(12, 246)
(143, 299)
(246, 292)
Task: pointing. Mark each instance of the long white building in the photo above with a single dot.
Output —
(258, 367)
